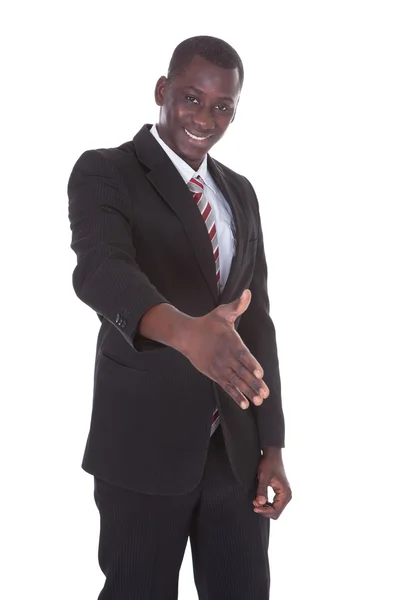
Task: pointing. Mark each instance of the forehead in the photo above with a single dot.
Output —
(209, 78)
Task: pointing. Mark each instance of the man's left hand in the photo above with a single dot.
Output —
(271, 473)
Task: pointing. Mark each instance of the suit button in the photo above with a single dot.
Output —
(117, 318)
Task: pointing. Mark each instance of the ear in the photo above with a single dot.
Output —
(159, 92)
(234, 112)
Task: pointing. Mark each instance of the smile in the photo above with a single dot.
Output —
(195, 137)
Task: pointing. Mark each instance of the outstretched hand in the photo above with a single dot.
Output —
(216, 349)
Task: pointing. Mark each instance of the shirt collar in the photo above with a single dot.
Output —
(184, 169)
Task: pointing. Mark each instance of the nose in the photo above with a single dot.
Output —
(203, 120)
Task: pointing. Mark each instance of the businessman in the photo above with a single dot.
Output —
(187, 428)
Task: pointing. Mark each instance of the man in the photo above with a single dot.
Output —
(187, 425)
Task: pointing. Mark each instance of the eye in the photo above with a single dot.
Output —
(192, 99)
(222, 107)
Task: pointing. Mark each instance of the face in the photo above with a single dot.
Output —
(197, 107)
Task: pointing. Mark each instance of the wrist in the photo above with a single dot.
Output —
(272, 451)
(180, 332)
(167, 325)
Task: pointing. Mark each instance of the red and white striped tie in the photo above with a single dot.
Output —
(206, 211)
(197, 189)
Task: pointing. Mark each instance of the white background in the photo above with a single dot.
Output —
(317, 133)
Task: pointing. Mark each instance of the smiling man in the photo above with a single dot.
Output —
(187, 425)
(198, 103)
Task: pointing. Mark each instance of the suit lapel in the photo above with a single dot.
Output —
(232, 196)
(168, 182)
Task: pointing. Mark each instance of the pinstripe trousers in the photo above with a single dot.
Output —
(143, 538)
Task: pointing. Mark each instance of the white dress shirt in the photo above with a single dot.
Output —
(222, 210)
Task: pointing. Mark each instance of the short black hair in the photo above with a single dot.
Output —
(213, 49)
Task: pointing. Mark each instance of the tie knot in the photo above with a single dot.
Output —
(195, 185)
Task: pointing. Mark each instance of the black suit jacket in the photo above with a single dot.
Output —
(140, 240)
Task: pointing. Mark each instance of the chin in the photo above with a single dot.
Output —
(191, 153)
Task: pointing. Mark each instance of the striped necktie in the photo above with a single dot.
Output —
(197, 188)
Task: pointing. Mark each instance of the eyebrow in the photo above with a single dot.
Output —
(200, 93)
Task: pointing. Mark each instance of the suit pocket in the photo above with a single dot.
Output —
(147, 361)
(159, 359)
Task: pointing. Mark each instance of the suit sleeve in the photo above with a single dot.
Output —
(106, 277)
(258, 333)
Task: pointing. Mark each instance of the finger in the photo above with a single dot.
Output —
(268, 511)
(245, 357)
(281, 487)
(234, 379)
(274, 510)
(260, 500)
(236, 395)
(258, 386)
(262, 492)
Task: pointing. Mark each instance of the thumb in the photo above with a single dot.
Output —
(236, 308)
(264, 479)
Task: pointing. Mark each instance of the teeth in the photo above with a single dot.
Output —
(194, 137)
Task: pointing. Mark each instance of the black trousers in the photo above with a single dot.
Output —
(143, 538)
